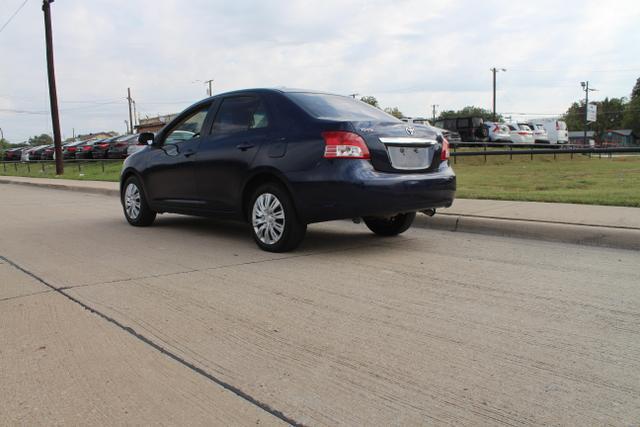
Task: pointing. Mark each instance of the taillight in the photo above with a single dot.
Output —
(496, 129)
(444, 154)
(344, 145)
(103, 145)
(71, 149)
(87, 148)
(121, 144)
(523, 133)
(557, 126)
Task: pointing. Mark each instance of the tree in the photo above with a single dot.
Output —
(631, 117)
(43, 139)
(395, 112)
(371, 100)
(470, 111)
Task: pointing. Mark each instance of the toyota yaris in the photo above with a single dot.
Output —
(282, 159)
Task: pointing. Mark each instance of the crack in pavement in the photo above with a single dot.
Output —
(219, 267)
(238, 392)
(24, 296)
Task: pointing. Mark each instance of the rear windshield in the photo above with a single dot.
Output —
(524, 127)
(337, 107)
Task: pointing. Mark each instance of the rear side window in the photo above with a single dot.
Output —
(512, 127)
(336, 107)
(239, 114)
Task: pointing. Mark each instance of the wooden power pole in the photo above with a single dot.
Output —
(53, 95)
(130, 125)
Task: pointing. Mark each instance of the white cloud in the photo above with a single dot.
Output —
(409, 54)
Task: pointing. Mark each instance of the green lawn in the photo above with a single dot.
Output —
(596, 181)
(545, 179)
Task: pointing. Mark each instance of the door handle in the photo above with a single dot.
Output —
(244, 146)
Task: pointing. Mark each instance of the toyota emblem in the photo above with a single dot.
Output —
(410, 130)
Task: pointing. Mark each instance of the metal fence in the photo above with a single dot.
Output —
(485, 149)
(43, 165)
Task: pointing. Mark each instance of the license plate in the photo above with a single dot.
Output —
(410, 157)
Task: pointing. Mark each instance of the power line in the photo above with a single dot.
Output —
(14, 15)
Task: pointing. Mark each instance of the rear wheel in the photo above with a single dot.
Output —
(274, 221)
(391, 225)
(135, 206)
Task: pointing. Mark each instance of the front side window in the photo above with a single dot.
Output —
(240, 114)
(188, 128)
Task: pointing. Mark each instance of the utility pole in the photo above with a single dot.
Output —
(53, 95)
(495, 70)
(433, 106)
(126, 122)
(130, 126)
(353, 95)
(1, 134)
(587, 89)
(135, 116)
(210, 90)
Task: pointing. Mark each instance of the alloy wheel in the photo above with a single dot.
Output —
(268, 218)
(132, 201)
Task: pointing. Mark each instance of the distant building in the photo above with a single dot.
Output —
(609, 138)
(620, 137)
(577, 137)
(154, 124)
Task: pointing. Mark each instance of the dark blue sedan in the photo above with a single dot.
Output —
(281, 159)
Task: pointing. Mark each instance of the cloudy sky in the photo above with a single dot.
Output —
(409, 54)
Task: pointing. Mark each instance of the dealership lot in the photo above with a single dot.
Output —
(188, 322)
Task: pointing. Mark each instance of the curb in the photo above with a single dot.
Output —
(64, 186)
(588, 235)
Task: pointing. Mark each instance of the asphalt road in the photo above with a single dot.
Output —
(187, 322)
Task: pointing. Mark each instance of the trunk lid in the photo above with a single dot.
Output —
(401, 147)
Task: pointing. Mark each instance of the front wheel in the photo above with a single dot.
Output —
(274, 221)
(135, 206)
(391, 225)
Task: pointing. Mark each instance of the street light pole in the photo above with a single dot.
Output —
(433, 106)
(210, 90)
(53, 95)
(495, 70)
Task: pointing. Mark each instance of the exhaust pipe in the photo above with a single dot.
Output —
(429, 212)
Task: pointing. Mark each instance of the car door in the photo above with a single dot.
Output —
(170, 175)
(241, 126)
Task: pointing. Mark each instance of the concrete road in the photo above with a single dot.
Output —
(187, 322)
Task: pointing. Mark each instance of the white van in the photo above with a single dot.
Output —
(556, 129)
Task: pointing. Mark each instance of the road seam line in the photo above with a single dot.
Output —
(265, 407)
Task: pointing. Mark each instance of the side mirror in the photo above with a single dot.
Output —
(146, 138)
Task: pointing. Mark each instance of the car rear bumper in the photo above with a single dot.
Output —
(352, 188)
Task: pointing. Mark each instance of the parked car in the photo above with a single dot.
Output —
(498, 132)
(120, 147)
(48, 153)
(470, 129)
(69, 149)
(557, 131)
(85, 150)
(13, 155)
(520, 133)
(540, 135)
(281, 159)
(101, 149)
(36, 153)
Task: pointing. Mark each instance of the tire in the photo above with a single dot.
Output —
(273, 219)
(135, 206)
(390, 226)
